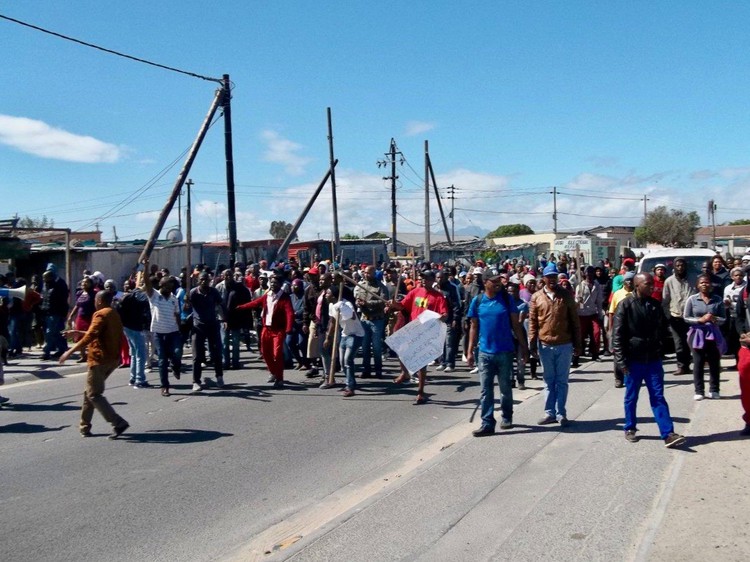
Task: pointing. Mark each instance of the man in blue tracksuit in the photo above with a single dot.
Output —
(636, 343)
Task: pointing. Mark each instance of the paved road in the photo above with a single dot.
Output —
(249, 473)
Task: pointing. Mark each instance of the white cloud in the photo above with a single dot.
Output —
(414, 128)
(285, 152)
(40, 139)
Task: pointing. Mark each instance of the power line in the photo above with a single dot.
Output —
(110, 51)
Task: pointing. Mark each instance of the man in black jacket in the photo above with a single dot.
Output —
(636, 342)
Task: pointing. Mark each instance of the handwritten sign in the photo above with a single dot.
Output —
(420, 341)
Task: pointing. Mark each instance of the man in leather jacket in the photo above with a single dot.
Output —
(636, 344)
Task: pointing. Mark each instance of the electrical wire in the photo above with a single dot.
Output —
(110, 51)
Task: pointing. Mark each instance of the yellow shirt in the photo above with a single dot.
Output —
(617, 298)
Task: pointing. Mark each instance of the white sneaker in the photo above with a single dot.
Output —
(698, 397)
(463, 358)
(220, 382)
(474, 371)
(448, 370)
(439, 368)
(432, 363)
(714, 395)
(197, 387)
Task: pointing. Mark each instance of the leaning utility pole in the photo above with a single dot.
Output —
(332, 168)
(231, 213)
(437, 196)
(149, 247)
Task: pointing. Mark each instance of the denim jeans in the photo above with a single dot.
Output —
(168, 347)
(324, 354)
(297, 344)
(491, 366)
(347, 352)
(232, 341)
(556, 364)
(653, 375)
(450, 347)
(54, 341)
(374, 330)
(201, 333)
(137, 345)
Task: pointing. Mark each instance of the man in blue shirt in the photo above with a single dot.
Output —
(493, 319)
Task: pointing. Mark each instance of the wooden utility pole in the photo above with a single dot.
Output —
(146, 253)
(437, 196)
(452, 197)
(188, 235)
(332, 168)
(426, 202)
(390, 158)
(645, 209)
(554, 210)
(231, 212)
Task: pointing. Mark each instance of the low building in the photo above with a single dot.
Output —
(730, 239)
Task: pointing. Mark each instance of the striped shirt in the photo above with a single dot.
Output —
(163, 313)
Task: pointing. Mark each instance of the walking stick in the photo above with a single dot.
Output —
(334, 350)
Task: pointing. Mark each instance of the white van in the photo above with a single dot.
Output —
(694, 257)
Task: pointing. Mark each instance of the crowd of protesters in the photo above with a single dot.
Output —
(501, 318)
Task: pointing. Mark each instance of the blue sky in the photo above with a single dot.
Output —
(607, 101)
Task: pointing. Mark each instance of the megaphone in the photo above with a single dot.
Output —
(19, 293)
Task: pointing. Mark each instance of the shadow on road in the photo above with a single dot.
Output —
(23, 427)
(62, 406)
(698, 440)
(174, 436)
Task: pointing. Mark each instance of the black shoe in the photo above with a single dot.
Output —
(563, 421)
(86, 434)
(483, 431)
(745, 432)
(506, 424)
(119, 431)
(630, 436)
(673, 440)
(619, 384)
(365, 375)
(271, 379)
(165, 392)
(546, 420)
(278, 385)
(521, 386)
(312, 373)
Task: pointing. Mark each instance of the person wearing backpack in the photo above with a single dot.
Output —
(493, 317)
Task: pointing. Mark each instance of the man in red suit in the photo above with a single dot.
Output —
(278, 321)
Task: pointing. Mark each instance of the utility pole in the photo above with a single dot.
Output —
(645, 209)
(426, 202)
(390, 158)
(331, 160)
(179, 212)
(231, 213)
(712, 217)
(452, 197)
(554, 210)
(188, 235)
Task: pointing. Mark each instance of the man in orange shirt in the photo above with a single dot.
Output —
(103, 341)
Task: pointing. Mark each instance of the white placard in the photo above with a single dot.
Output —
(420, 341)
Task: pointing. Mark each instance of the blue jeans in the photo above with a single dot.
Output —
(54, 341)
(374, 330)
(137, 345)
(653, 375)
(347, 351)
(493, 365)
(450, 348)
(232, 340)
(556, 364)
(168, 348)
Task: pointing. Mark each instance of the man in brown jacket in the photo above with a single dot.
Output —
(554, 336)
(103, 340)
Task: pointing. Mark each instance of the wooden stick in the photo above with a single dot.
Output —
(364, 287)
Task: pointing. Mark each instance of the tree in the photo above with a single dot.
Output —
(28, 222)
(280, 229)
(510, 230)
(739, 222)
(349, 236)
(673, 229)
